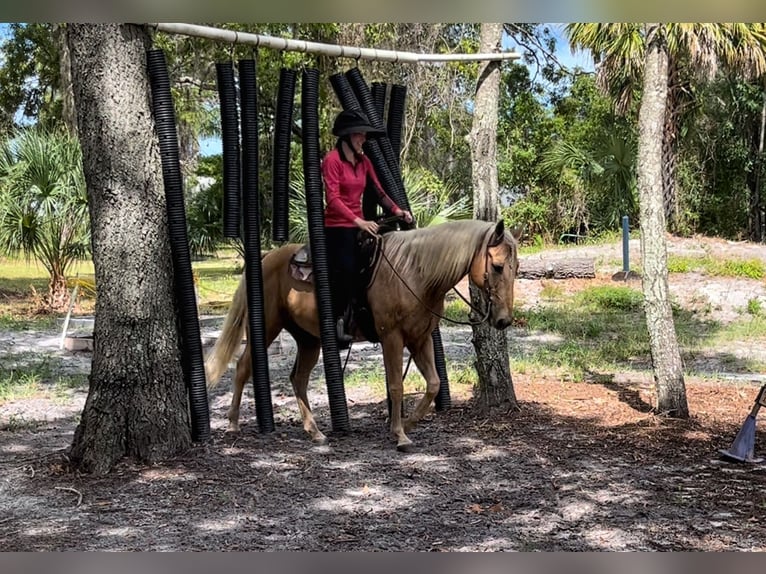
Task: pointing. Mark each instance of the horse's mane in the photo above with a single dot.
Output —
(435, 257)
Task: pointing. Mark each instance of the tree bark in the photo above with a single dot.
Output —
(136, 404)
(666, 358)
(669, 147)
(68, 114)
(756, 209)
(494, 387)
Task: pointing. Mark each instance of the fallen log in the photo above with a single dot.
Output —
(573, 268)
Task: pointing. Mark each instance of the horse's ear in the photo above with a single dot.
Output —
(517, 231)
(498, 235)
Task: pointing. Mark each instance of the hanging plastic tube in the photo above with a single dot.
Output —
(349, 101)
(227, 95)
(191, 343)
(280, 168)
(395, 118)
(336, 392)
(251, 213)
(364, 96)
(378, 91)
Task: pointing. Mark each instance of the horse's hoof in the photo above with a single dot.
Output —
(319, 440)
(233, 429)
(405, 446)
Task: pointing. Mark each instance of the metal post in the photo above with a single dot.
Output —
(625, 245)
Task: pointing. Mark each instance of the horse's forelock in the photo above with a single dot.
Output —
(439, 254)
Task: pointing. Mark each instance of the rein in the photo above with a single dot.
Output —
(487, 290)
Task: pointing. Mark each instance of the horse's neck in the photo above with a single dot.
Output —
(438, 287)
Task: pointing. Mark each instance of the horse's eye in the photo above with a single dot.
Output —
(498, 268)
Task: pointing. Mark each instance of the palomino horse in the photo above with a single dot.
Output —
(416, 270)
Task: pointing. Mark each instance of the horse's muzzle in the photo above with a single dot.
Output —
(502, 323)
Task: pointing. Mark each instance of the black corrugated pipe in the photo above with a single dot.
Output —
(344, 92)
(280, 169)
(191, 343)
(370, 206)
(443, 401)
(380, 146)
(378, 91)
(227, 95)
(251, 214)
(395, 118)
(336, 392)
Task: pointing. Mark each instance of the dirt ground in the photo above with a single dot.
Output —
(580, 467)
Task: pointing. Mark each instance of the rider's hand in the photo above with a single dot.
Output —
(407, 216)
(365, 225)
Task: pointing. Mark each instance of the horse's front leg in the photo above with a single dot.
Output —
(393, 348)
(424, 360)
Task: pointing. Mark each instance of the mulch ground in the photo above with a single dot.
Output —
(580, 467)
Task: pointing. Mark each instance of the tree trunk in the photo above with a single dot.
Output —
(136, 403)
(756, 209)
(666, 358)
(669, 148)
(495, 385)
(68, 114)
(579, 267)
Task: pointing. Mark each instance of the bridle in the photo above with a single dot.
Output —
(487, 290)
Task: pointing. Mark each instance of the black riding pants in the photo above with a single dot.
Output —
(342, 264)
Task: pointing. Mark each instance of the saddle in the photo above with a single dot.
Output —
(369, 246)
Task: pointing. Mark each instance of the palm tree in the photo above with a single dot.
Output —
(693, 50)
(43, 204)
(660, 51)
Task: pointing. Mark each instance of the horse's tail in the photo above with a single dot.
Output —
(230, 338)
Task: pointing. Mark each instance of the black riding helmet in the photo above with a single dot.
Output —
(352, 121)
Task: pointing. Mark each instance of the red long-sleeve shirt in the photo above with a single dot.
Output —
(344, 185)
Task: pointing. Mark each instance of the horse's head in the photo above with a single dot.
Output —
(494, 271)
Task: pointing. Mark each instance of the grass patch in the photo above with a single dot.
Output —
(27, 375)
(744, 268)
(216, 279)
(610, 298)
(19, 384)
(371, 377)
(11, 322)
(599, 329)
(456, 310)
(747, 328)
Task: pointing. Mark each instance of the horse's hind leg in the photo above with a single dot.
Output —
(424, 360)
(305, 359)
(242, 375)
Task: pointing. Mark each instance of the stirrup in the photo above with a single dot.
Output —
(340, 332)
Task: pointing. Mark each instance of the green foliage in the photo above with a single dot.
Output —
(433, 201)
(204, 209)
(43, 201)
(30, 76)
(754, 307)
